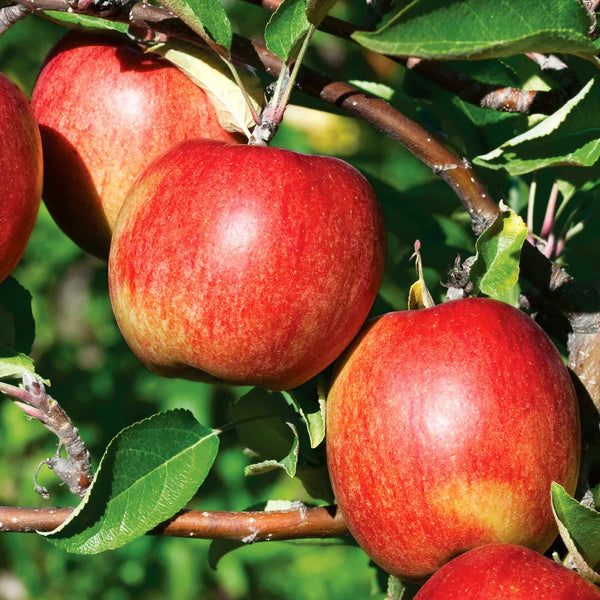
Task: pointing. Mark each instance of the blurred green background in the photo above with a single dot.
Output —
(104, 388)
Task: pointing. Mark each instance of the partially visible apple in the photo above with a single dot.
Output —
(445, 429)
(105, 110)
(247, 264)
(20, 174)
(506, 572)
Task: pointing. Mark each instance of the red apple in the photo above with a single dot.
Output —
(248, 264)
(105, 110)
(20, 174)
(506, 572)
(445, 429)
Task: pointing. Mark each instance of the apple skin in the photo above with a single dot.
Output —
(21, 172)
(247, 264)
(445, 429)
(506, 572)
(105, 110)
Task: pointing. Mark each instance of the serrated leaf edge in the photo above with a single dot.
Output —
(84, 501)
(541, 129)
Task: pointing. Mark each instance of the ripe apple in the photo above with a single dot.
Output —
(20, 174)
(105, 109)
(247, 264)
(445, 429)
(506, 572)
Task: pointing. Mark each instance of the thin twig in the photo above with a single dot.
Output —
(32, 399)
(321, 522)
(591, 6)
(9, 15)
(496, 97)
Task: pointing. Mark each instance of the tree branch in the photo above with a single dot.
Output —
(458, 173)
(259, 526)
(495, 97)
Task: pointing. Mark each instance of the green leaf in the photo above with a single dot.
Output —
(211, 74)
(316, 10)
(17, 326)
(265, 425)
(310, 405)
(286, 29)
(570, 136)
(282, 430)
(572, 179)
(290, 24)
(204, 16)
(316, 425)
(86, 21)
(477, 29)
(288, 462)
(579, 527)
(399, 590)
(316, 481)
(498, 249)
(219, 548)
(13, 364)
(149, 471)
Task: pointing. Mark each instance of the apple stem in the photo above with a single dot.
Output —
(75, 470)
(287, 90)
(275, 109)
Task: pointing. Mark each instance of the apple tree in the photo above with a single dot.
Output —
(179, 310)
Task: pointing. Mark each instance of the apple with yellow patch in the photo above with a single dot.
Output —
(247, 264)
(445, 429)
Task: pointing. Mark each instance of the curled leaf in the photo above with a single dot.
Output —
(496, 266)
(212, 74)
